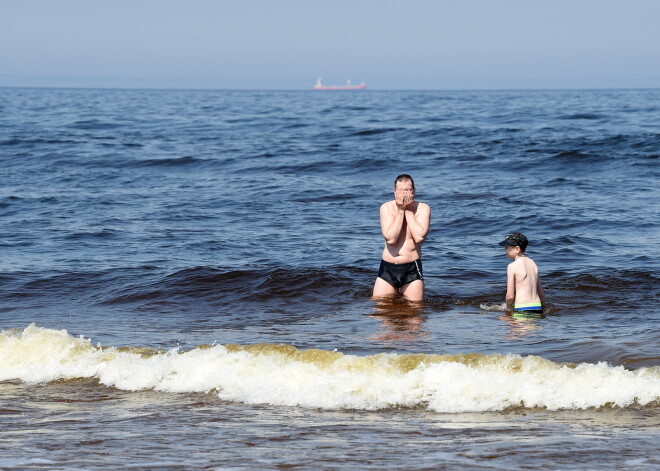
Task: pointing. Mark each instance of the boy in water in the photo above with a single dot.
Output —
(524, 294)
(404, 224)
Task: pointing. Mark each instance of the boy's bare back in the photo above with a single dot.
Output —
(523, 274)
(523, 286)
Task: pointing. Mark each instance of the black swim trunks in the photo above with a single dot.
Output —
(400, 274)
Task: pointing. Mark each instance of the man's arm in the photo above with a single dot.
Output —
(419, 223)
(510, 286)
(391, 224)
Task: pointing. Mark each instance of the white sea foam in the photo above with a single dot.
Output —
(284, 375)
(493, 307)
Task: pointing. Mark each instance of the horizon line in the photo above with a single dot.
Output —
(311, 89)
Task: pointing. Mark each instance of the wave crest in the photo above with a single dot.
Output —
(284, 375)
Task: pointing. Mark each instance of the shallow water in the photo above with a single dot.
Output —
(152, 238)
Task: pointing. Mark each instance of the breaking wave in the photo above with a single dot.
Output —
(283, 375)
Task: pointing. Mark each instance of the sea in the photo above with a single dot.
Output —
(186, 280)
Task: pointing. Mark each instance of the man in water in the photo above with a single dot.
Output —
(524, 293)
(404, 224)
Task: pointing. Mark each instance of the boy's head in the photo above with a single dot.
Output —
(515, 240)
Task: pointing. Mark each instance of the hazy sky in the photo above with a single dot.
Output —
(402, 44)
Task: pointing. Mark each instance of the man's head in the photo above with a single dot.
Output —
(515, 240)
(404, 188)
(404, 177)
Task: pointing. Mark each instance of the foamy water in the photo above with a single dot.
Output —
(283, 375)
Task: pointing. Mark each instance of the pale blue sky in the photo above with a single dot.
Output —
(287, 44)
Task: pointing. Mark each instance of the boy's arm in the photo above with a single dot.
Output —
(510, 286)
(539, 290)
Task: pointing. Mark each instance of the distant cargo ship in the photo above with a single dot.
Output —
(319, 86)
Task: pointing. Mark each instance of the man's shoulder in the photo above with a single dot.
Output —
(388, 207)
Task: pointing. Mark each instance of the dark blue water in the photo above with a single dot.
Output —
(183, 219)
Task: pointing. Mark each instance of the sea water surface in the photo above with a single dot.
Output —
(185, 280)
